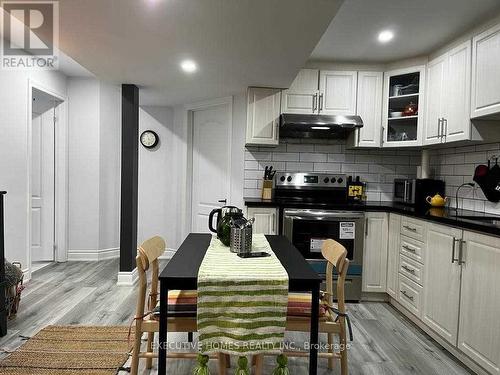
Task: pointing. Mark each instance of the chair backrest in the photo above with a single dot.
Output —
(336, 255)
(147, 256)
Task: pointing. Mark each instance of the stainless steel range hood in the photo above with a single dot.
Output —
(318, 126)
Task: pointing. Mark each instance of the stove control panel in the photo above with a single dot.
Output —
(320, 180)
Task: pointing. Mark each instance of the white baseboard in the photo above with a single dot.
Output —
(93, 255)
(127, 278)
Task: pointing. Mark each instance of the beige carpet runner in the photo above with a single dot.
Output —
(70, 350)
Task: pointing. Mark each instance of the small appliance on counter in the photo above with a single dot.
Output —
(355, 190)
(241, 236)
(415, 191)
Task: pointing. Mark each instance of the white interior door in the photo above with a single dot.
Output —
(211, 162)
(42, 186)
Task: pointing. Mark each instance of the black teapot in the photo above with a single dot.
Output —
(224, 217)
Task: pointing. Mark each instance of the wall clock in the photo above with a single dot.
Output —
(149, 139)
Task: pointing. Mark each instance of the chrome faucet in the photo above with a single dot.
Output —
(471, 184)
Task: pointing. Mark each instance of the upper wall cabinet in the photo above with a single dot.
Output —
(369, 108)
(263, 113)
(485, 99)
(321, 92)
(403, 107)
(448, 97)
(337, 92)
(303, 95)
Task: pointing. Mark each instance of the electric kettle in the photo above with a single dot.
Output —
(224, 216)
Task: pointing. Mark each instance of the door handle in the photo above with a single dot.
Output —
(222, 201)
(453, 260)
(315, 102)
(407, 248)
(410, 270)
(320, 103)
(461, 253)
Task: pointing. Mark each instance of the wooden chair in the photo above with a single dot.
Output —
(146, 322)
(333, 319)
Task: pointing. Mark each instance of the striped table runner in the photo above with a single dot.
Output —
(242, 303)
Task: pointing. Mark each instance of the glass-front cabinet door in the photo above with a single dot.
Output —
(403, 107)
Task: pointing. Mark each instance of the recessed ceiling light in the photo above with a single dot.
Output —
(189, 66)
(385, 36)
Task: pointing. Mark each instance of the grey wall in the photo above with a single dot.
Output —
(456, 165)
(376, 167)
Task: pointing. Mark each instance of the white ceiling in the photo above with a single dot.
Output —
(236, 43)
(420, 26)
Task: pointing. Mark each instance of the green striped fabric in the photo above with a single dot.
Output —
(242, 303)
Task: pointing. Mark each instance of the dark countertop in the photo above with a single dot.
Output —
(447, 216)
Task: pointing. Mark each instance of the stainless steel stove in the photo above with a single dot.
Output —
(315, 209)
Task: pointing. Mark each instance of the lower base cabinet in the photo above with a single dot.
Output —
(442, 279)
(375, 252)
(266, 219)
(410, 295)
(479, 329)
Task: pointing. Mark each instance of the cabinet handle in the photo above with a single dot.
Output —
(315, 102)
(407, 295)
(366, 227)
(409, 228)
(411, 250)
(320, 102)
(439, 128)
(410, 270)
(461, 252)
(445, 128)
(453, 260)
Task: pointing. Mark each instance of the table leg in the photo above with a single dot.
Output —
(162, 341)
(313, 351)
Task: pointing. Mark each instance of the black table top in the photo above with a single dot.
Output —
(181, 271)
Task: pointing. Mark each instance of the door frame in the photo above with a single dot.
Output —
(190, 109)
(60, 175)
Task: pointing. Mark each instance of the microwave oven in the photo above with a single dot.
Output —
(415, 191)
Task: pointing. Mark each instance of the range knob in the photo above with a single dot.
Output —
(333, 180)
(282, 178)
(289, 179)
(340, 180)
(326, 180)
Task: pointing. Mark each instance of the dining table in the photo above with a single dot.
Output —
(181, 272)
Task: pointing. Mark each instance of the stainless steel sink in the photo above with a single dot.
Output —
(485, 219)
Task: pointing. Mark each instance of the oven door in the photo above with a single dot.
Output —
(307, 229)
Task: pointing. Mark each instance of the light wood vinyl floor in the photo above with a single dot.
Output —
(85, 293)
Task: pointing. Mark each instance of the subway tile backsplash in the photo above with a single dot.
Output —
(456, 165)
(377, 168)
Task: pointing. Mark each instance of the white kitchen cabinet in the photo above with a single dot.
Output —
(479, 329)
(303, 95)
(263, 112)
(375, 252)
(442, 281)
(337, 92)
(266, 219)
(448, 97)
(369, 108)
(393, 254)
(458, 85)
(485, 97)
(399, 130)
(436, 98)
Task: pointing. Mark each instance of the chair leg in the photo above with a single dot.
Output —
(259, 364)
(330, 350)
(343, 348)
(228, 360)
(149, 361)
(222, 363)
(134, 367)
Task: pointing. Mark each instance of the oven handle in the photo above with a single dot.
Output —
(323, 215)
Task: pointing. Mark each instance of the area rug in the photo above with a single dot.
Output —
(71, 350)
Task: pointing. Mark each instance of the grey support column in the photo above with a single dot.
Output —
(129, 177)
